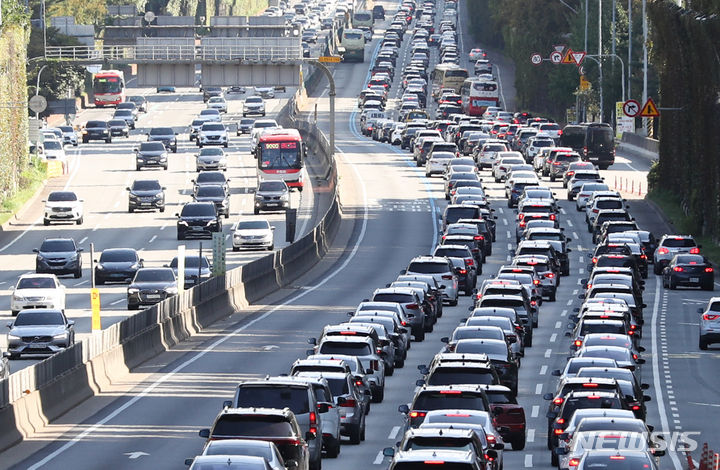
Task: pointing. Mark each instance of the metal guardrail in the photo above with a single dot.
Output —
(174, 53)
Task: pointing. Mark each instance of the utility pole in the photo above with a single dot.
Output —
(629, 72)
(600, 54)
(645, 60)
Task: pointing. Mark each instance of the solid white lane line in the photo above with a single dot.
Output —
(197, 356)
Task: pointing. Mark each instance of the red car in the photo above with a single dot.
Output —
(509, 417)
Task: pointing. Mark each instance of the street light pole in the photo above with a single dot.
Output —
(645, 60)
(629, 74)
(600, 67)
(44, 29)
(37, 87)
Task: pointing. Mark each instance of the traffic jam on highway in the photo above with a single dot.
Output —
(465, 410)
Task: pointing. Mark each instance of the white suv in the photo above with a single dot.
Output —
(37, 291)
(63, 206)
(213, 133)
(254, 105)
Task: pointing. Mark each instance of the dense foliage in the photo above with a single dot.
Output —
(520, 28)
(685, 54)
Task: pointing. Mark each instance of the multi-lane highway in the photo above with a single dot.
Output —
(99, 173)
(151, 419)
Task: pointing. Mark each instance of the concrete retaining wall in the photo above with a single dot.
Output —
(639, 146)
(35, 396)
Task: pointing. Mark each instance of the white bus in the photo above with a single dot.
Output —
(352, 45)
(447, 76)
(477, 94)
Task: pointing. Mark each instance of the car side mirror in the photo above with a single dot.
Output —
(644, 386)
(35, 250)
(388, 452)
(309, 352)
(420, 382)
(445, 339)
(640, 360)
(647, 398)
(189, 462)
(312, 341)
(9, 324)
(71, 322)
(641, 349)
(323, 407)
(204, 433)
(404, 409)
(548, 396)
(291, 464)
(492, 453)
(511, 339)
(227, 404)
(369, 371)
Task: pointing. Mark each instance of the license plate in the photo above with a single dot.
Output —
(37, 346)
(694, 279)
(153, 296)
(196, 229)
(145, 203)
(272, 204)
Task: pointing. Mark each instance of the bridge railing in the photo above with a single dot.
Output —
(175, 52)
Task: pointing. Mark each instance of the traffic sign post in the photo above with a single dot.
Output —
(556, 57)
(95, 306)
(631, 108)
(536, 59)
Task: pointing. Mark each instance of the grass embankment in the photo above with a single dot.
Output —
(670, 205)
(29, 182)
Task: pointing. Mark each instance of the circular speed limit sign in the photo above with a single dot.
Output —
(536, 59)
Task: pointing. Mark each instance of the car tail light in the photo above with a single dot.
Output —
(643, 256)
(585, 150)
(462, 271)
(589, 286)
(450, 392)
(349, 403)
(663, 251)
(469, 262)
(536, 281)
(694, 251)
(558, 401)
(359, 383)
(560, 421)
(552, 217)
(479, 237)
(491, 439)
(678, 269)
(522, 224)
(533, 303)
(556, 163)
(559, 431)
(447, 276)
(617, 457)
(708, 270)
(574, 462)
(549, 275)
(417, 414)
(594, 260)
(412, 306)
(521, 216)
(379, 350)
(403, 323)
(577, 343)
(313, 422)
(595, 211)
(434, 462)
(710, 316)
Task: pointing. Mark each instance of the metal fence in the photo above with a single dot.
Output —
(176, 52)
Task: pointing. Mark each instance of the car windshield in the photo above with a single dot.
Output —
(481, 346)
(152, 147)
(211, 152)
(232, 447)
(461, 375)
(213, 127)
(62, 196)
(57, 245)
(162, 131)
(198, 210)
(52, 145)
(272, 186)
(428, 268)
(449, 399)
(96, 124)
(254, 99)
(351, 349)
(252, 426)
(253, 225)
(154, 275)
(210, 191)
(118, 256)
(117, 123)
(146, 185)
(36, 283)
(29, 318)
(210, 177)
(190, 262)
(338, 385)
(270, 396)
(66, 129)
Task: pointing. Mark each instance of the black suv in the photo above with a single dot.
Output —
(198, 219)
(166, 135)
(96, 130)
(146, 194)
(151, 154)
(59, 256)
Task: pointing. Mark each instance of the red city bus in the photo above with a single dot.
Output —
(281, 156)
(477, 94)
(108, 87)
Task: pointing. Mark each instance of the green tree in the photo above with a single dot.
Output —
(57, 78)
(84, 11)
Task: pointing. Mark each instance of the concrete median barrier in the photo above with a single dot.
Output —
(37, 395)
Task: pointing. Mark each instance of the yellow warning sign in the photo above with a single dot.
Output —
(95, 306)
(584, 83)
(568, 57)
(54, 168)
(649, 109)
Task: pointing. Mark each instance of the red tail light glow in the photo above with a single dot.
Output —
(417, 414)
(678, 269)
(349, 403)
(663, 251)
(708, 270)
(710, 316)
(694, 251)
(558, 401)
(578, 343)
(574, 462)
(447, 276)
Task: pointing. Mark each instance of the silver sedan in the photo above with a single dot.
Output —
(39, 331)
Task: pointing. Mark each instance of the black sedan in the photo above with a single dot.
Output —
(117, 265)
(150, 286)
(690, 271)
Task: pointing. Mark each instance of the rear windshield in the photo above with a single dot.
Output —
(592, 401)
(609, 204)
(611, 462)
(461, 375)
(453, 214)
(485, 347)
(567, 158)
(253, 425)
(338, 386)
(391, 297)
(449, 399)
(616, 328)
(422, 465)
(428, 268)
(501, 398)
(351, 349)
(295, 398)
(440, 442)
(452, 252)
(679, 242)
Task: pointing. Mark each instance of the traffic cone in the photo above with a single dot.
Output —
(704, 457)
(716, 462)
(690, 461)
